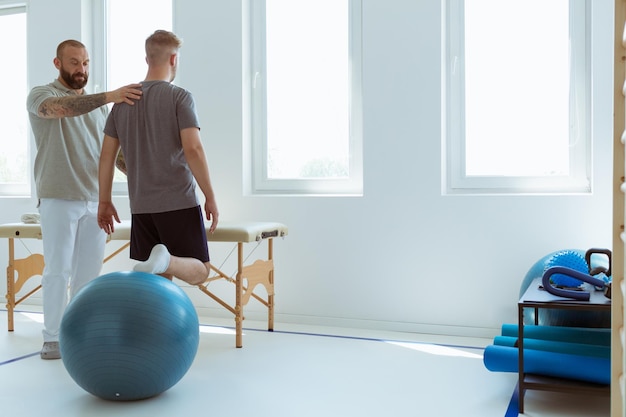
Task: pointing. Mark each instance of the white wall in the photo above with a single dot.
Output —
(402, 257)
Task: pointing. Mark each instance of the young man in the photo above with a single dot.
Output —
(160, 140)
(67, 125)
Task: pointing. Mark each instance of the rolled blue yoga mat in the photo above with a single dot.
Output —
(582, 349)
(585, 335)
(559, 365)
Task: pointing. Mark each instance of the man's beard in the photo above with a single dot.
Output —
(72, 79)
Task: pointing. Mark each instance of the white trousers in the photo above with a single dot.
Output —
(73, 249)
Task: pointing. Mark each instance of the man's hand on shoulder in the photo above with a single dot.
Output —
(127, 94)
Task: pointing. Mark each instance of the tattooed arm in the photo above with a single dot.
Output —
(75, 105)
(120, 162)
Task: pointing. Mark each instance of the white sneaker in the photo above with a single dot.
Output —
(50, 350)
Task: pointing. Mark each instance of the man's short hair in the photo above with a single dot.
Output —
(70, 42)
(161, 44)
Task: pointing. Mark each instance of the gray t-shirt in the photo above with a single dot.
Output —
(68, 149)
(159, 178)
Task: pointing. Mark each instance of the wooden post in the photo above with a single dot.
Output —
(270, 297)
(10, 289)
(239, 291)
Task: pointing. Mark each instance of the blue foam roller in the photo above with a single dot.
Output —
(559, 365)
(590, 336)
(583, 349)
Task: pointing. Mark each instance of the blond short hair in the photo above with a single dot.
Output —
(161, 45)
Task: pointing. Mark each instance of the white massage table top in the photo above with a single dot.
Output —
(226, 231)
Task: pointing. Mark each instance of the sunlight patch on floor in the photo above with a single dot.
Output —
(216, 330)
(36, 317)
(437, 349)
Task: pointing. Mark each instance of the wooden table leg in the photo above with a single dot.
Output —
(10, 285)
(238, 295)
(25, 268)
(270, 297)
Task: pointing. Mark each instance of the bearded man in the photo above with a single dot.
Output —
(67, 125)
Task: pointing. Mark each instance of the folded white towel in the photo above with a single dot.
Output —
(30, 218)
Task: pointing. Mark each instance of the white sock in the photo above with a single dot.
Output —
(157, 263)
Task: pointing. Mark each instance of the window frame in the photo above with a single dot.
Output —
(21, 189)
(455, 179)
(260, 183)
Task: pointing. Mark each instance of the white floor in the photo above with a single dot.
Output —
(295, 371)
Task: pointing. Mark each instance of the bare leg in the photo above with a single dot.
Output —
(191, 270)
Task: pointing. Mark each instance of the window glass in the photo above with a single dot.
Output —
(307, 89)
(306, 96)
(517, 112)
(517, 88)
(14, 130)
(128, 25)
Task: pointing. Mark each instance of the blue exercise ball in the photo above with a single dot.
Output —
(129, 336)
(537, 270)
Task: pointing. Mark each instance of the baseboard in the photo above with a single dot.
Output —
(259, 319)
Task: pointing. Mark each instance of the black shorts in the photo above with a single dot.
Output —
(181, 231)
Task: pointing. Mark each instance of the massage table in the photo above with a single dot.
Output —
(261, 272)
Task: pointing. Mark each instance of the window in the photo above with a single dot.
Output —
(14, 130)
(126, 34)
(517, 100)
(124, 45)
(306, 97)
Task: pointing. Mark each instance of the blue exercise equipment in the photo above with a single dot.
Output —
(129, 336)
(568, 259)
(566, 344)
(548, 283)
(555, 346)
(577, 353)
(584, 335)
(595, 262)
(561, 365)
